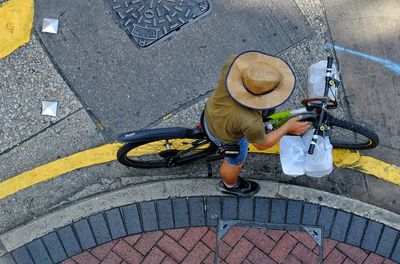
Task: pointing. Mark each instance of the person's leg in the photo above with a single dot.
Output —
(230, 167)
(230, 173)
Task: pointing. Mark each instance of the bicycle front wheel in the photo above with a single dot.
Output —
(164, 152)
(347, 135)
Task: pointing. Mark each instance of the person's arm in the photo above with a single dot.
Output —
(292, 126)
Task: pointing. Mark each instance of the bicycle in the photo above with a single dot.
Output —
(168, 147)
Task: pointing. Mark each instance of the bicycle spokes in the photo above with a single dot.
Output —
(168, 147)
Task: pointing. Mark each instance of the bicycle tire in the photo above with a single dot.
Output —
(163, 156)
(362, 137)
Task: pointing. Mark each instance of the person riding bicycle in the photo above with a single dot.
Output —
(249, 83)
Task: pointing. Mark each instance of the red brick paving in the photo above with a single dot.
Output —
(239, 245)
(283, 248)
(102, 251)
(85, 258)
(304, 254)
(192, 237)
(357, 255)
(335, 257)
(240, 251)
(147, 241)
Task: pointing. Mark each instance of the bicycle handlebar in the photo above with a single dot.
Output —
(328, 79)
(330, 61)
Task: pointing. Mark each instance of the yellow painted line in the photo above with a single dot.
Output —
(343, 158)
(56, 168)
(107, 153)
(16, 20)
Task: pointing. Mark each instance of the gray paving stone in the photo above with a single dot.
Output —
(30, 68)
(38, 252)
(100, 229)
(261, 211)
(165, 215)
(54, 247)
(69, 241)
(229, 208)
(396, 252)
(293, 215)
(149, 216)
(84, 234)
(181, 212)
(371, 236)
(310, 214)
(115, 223)
(21, 256)
(196, 211)
(246, 209)
(387, 241)
(278, 211)
(325, 219)
(340, 225)
(213, 210)
(356, 231)
(131, 219)
(7, 259)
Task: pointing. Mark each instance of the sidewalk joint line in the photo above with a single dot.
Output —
(52, 124)
(181, 108)
(91, 114)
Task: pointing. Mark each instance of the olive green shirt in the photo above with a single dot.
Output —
(227, 120)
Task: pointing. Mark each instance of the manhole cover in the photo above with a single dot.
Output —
(150, 21)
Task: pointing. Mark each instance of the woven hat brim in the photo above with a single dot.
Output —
(239, 93)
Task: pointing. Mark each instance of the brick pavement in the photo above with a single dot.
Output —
(239, 245)
(192, 216)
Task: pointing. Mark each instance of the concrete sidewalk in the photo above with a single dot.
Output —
(49, 68)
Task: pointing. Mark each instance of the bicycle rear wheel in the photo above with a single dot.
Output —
(164, 152)
(347, 135)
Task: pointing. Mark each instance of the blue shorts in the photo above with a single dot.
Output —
(242, 143)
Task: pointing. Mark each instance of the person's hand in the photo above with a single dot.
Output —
(296, 127)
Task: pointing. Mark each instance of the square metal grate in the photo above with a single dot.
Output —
(225, 226)
(150, 21)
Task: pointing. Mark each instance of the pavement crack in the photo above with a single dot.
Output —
(52, 124)
(389, 147)
(181, 108)
(365, 182)
(339, 190)
(97, 122)
(279, 54)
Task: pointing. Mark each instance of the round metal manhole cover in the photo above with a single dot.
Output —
(150, 21)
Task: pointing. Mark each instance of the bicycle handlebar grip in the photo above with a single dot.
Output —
(330, 61)
(312, 146)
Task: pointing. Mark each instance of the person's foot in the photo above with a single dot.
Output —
(244, 188)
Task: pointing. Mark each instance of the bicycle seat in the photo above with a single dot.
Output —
(225, 150)
(317, 102)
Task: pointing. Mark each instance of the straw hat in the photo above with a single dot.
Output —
(259, 81)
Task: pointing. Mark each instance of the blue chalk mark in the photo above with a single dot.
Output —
(395, 67)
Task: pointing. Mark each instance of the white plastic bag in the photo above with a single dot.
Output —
(292, 155)
(320, 163)
(295, 160)
(316, 80)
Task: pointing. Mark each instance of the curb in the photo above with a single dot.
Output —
(182, 188)
(106, 153)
